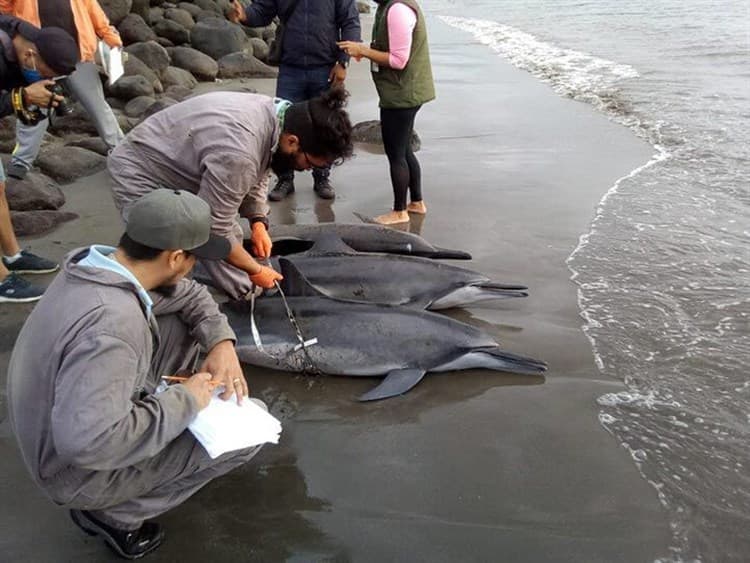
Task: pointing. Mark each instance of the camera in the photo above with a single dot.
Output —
(58, 88)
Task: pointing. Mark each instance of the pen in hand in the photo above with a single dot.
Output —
(181, 379)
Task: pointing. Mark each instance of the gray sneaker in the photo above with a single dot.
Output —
(17, 171)
(17, 290)
(30, 263)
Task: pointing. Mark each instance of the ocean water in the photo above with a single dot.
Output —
(663, 274)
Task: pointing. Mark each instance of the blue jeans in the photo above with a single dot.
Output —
(298, 84)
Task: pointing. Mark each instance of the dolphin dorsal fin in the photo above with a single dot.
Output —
(330, 244)
(295, 284)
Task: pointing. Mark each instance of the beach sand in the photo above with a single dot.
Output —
(469, 466)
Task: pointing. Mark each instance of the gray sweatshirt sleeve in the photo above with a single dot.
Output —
(227, 178)
(96, 423)
(198, 310)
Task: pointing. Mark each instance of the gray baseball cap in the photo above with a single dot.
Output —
(175, 220)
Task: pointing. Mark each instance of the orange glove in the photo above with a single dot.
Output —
(266, 277)
(261, 240)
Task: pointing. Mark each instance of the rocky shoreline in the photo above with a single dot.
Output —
(170, 47)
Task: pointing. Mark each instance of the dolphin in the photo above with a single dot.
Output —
(289, 239)
(339, 271)
(361, 339)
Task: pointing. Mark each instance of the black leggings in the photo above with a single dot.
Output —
(406, 175)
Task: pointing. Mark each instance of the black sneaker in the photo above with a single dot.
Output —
(17, 171)
(283, 188)
(324, 189)
(17, 290)
(129, 544)
(30, 263)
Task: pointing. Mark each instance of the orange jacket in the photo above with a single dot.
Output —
(89, 18)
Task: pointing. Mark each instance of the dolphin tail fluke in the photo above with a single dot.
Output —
(397, 382)
(514, 363)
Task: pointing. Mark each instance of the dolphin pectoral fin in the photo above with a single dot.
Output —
(397, 382)
(444, 254)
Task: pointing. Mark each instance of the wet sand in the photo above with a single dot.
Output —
(470, 466)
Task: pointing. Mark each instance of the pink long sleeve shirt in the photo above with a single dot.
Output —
(401, 23)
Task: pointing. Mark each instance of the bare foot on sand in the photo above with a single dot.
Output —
(417, 207)
(392, 218)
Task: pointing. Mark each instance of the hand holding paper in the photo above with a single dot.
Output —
(112, 61)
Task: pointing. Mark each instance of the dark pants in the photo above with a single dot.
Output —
(406, 175)
(298, 84)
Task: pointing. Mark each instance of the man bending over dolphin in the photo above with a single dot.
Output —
(82, 378)
(220, 147)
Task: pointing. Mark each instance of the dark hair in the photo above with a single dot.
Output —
(141, 252)
(136, 250)
(322, 125)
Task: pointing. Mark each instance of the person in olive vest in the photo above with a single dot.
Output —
(400, 64)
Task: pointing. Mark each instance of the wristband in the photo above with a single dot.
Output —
(260, 219)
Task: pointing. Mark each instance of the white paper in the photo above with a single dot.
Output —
(225, 426)
(111, 59)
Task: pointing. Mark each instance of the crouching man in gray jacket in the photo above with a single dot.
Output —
(82, 378)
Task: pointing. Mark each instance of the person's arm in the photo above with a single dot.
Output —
(192, 302)
(6, 7)
(347, 22)
(260, 13)
(401, 23)
(104, 30)
(96, 422)
(228, 176)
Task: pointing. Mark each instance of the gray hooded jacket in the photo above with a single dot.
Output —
(80, 378)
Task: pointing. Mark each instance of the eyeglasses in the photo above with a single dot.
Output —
(307, 160)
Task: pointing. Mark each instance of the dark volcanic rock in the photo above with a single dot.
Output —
(205, 15)
(35, 191)
(217, 37)
(116, 10)
(242, 64)
(7, 133)
(192, 9)
(137, 106)
(154, 55)
(66, 164)
(143, 9)
(209, 5)
(76, 121)
(30, 223)
(198, 64)
(172, 30)
(134, 29)
(129, 87)
(260, 48)
(94, 144)
(174, 76)
(182, 17)
(177, 93)
(159, 105)
(135, 66)
(369, 132)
